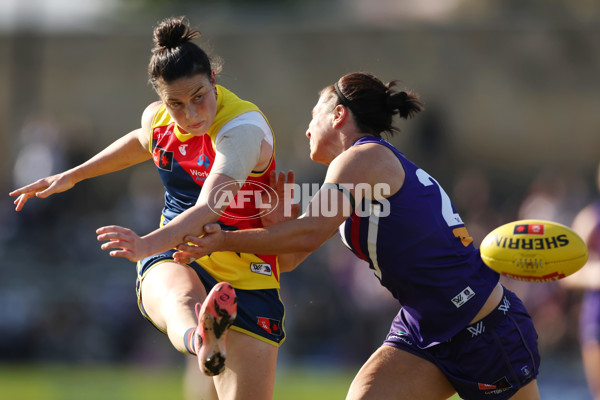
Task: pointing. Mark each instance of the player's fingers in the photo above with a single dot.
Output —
(115, 244)
(122, 253)
(23, 190)
(280, 182)
(290, 183)
(184, 247)
(114, 234)
(112, 228)
(20, 202)
(190, 239)
(22, 199)
(184, 257)
(109, 236)
(291, 177)
(295, 210)
(189, 251)
(32, 188)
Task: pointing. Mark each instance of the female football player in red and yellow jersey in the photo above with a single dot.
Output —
(458, 329)
(215, 155)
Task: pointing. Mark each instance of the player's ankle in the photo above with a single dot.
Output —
(189, 341)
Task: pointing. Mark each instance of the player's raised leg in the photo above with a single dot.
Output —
(170, 292)
(391, 373)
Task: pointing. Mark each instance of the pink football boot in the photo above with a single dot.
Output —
(215, 316)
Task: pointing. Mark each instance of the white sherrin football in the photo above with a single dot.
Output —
(534, 250)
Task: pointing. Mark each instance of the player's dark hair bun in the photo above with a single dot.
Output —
(175, 55)
(172, 33)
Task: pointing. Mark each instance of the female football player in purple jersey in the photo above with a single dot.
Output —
(200, 136)
(458, 329)
(587, 225)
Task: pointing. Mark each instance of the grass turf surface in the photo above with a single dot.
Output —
(82, 382)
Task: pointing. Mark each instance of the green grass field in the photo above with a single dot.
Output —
(62, 382)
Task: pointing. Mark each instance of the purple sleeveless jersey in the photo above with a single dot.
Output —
(419, 249)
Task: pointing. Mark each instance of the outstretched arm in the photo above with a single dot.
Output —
(298, 237)
(328, 209)
(325, 212)
(126, 151)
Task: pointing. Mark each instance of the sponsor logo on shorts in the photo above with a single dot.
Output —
(399, 335)
(261, 268)
(477, 329)
(501, 385)
(269, 325)
(504, 305)
(465, 295)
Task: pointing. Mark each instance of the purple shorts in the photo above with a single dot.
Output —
(589, 318)
(490, 359)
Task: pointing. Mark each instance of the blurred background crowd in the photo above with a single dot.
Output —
(511, 131)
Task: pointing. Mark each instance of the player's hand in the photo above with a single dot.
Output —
(196, 247)
(42, 188)
(123, 242)
(281, 206)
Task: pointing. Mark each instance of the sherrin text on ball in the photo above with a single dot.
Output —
(534, 250)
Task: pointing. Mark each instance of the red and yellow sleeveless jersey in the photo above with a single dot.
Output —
(184, 162)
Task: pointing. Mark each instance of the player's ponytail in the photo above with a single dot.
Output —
(374, 103)
(174, 54)
(404, 103)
